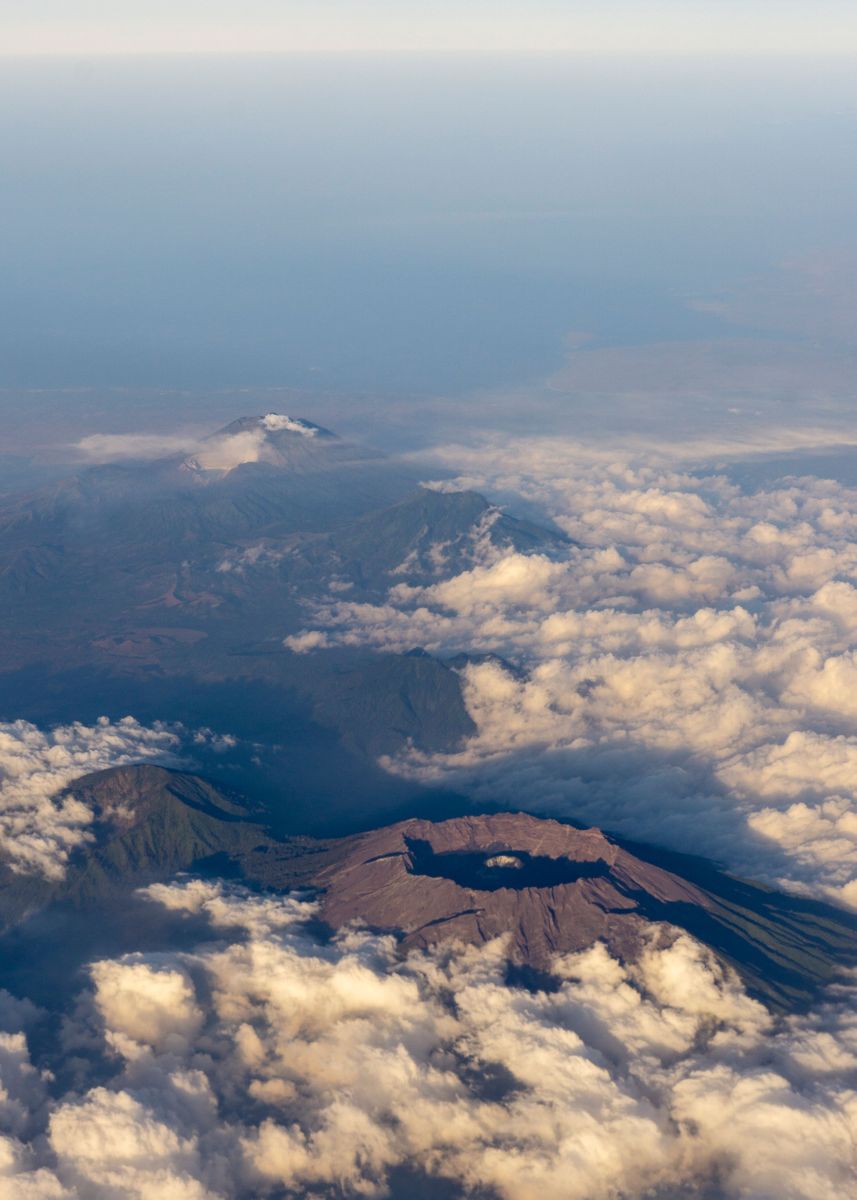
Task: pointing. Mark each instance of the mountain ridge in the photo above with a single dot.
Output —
(161, 589)
(546, 886)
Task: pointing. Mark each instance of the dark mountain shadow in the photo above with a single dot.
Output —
(509, 868)
(306, 758)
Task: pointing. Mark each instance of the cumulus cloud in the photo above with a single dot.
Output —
(303, 643)
(139, 1003)
(668, 667)
(39, 827)
(684, 674)
(111, 1144)
(264, 1062)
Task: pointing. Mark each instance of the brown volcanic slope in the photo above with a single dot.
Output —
(549, 887)
(561, 890)
(556, 889)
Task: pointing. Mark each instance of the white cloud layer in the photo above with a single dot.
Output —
(686, 674)
(114, 447)
(265, 1063)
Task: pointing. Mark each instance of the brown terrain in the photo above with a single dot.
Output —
(550, 887)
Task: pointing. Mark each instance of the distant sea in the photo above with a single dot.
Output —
(405, 226)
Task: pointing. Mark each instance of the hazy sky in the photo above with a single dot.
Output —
(622, 26)
(433, 224)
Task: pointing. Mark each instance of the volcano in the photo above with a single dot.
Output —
(545, 888)
(549, 888)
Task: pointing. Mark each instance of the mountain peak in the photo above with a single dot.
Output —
(554, 889)
(273, 423)
(281, 423)
(272, 438)
(549, 888)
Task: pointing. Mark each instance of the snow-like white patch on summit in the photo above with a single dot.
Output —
(279, 421)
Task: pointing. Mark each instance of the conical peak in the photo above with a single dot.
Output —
(274, 423)
(273, 438)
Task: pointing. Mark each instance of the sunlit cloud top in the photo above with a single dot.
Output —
(788, 27)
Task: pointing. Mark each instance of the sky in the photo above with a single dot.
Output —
(399, 226)
(790, 27)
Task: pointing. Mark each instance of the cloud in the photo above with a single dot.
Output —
(513, 579)
(210, 453)
(139, 1003)
(113, 1145)
(113, 447)
(264, 1062)
(694, 643)
(303, 643)
(232, 450)
(279, 421)
(684, 674)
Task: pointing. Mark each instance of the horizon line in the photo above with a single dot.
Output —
(844, 53)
